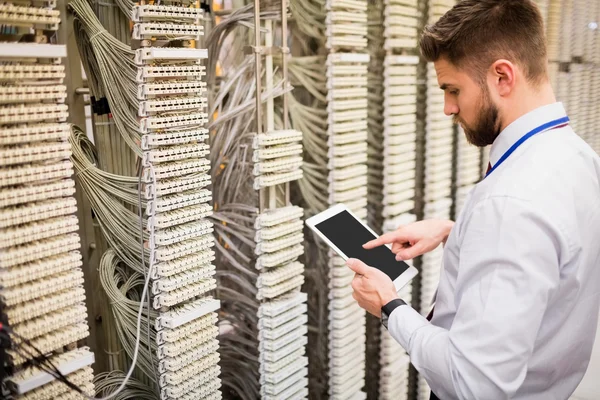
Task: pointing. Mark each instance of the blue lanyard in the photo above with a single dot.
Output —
(542, 128)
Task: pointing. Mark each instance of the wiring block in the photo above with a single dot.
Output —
(172, 117)
(347, 70)
(41, 277)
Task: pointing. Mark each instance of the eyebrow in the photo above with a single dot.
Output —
(445, 86)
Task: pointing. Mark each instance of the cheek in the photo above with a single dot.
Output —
(468, 110)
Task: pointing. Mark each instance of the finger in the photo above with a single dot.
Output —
(354, 296)
(355, 283)
(357, 266)
(397, 246)
(410, 252)
(386, 238)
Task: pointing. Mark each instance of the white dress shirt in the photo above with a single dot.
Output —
(517, 305)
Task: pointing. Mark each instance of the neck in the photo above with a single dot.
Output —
(526, 101)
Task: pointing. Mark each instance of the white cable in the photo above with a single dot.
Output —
(139, 323)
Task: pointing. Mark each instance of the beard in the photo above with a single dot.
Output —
(487, 127)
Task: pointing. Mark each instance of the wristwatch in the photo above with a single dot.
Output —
(386, 310)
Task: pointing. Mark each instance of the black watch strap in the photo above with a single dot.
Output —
(391, 306)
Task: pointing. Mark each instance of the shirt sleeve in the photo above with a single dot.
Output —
(508, 270)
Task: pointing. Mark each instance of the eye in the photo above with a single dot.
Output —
(454, 92)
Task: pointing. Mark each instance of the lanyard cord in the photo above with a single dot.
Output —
(557, 123)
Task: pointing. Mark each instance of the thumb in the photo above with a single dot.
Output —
(357, 266)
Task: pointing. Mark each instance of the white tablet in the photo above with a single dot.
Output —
(346, 234)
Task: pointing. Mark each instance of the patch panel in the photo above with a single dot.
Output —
(50, 322)
(181, 233)
(297, 388)
(188, 373)
(268, 153)
(282, 305)
(37, 211)
(277, 165)
(171, 186)
(278, 216)
(199, 342)
(39, 269)
(28, 94)
(55, 341)
(268, 180)
(177, 217)
(36, 384)
(161, 105)
(28, 72)
(280, 343)
(34, 17)
(40, 288)
(179, 200)
(37, 230)
(190, 120)
(45, 304)
(270, 292)
(150, 90)
(28, 113)
(151, 72)
(159, 12)
(271, 260)
(152, 54)
(184, 294)
(280, 319)
(186, 313)
(276, 138)
(337, 162)
(176, 169)
(166, 138)
(183, 249)
(207, 390)
(278, 275)
(155, 30)
(345, 138)
(37, 152)
(10, 257)
(182, 279)
(350, 172)
(24, 134)
(200, 324)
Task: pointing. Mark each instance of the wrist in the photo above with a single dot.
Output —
(388, 309)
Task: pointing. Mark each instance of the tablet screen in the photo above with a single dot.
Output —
(349, 235)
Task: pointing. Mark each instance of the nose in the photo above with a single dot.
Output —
(450, 106)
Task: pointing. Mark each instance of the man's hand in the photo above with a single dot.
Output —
(415, 239)
(372, 288)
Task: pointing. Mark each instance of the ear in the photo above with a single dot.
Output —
(503, 76)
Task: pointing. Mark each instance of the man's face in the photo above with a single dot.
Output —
(469, 104)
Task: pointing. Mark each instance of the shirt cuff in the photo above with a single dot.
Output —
(403, 322)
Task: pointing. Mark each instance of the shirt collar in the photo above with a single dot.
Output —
(522, 125)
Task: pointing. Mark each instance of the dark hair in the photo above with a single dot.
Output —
(476, 33)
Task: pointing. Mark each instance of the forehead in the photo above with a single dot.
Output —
(449, 75)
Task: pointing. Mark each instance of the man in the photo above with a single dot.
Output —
(518, 300)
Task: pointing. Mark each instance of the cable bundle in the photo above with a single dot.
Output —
(43, 308)
(259, 232)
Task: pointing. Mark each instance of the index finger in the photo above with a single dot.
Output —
(386, 238)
